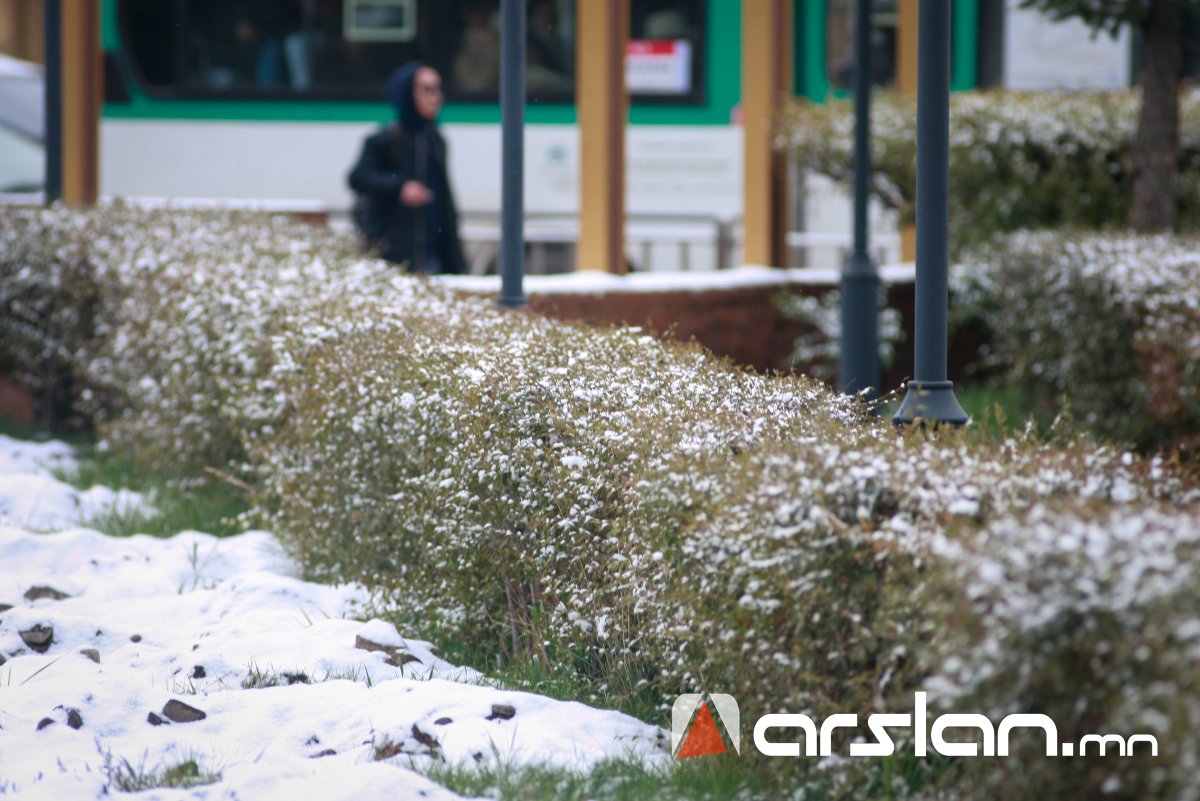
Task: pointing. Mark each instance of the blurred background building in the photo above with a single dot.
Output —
(268, 101)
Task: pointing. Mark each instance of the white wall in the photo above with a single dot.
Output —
(690, 170)
(1042, 54)
(672, 170)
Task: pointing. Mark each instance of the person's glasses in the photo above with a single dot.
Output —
(429, 88)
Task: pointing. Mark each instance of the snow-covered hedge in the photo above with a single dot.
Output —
(632, 511)
(1090, 618)
(1017, 160)
(160, 320)
(1110, 323)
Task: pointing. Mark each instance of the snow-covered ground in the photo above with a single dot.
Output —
(111, 645)
(32, 498)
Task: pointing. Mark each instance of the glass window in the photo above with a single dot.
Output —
(473, 68)
(839, 43)
(345, 49)
(665, 53)
(278, 47)
(338, 49)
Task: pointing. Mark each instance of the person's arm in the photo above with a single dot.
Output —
(374, 173)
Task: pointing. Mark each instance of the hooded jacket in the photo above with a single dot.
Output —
(424, 238)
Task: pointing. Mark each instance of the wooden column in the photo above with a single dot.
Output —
(906, 83)
(82, 88)
(21, 29)
(766, 81)
(603, 106)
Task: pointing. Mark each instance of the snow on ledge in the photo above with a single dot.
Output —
(746, 277)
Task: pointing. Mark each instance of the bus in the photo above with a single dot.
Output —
(270, 100)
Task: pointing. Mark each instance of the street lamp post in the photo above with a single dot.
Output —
(930, 396)
(859, 366)
(52, 24)
(512, 111)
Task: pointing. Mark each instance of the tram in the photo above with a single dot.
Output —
(271, 99)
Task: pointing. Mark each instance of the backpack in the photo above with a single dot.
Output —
(369, 219)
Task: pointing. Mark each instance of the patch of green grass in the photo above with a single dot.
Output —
(726, 777)
(207, 508)
(997, 411)
(1006, 409)
(257, 679)
(1001, 411)
(555, 676)
(700, 779)
(124, 776)
(528, 673)
(18, 430)
(198, 502)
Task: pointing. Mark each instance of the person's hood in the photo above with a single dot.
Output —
(400, 95)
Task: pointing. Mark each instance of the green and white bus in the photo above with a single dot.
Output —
(271, 99)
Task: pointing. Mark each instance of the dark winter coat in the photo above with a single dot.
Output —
(410, 149)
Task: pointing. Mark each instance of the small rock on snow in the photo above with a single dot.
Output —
(181, 712)
(502, 712)
(38, 638)
(42, 591)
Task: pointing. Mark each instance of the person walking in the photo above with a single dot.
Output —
(410, 215)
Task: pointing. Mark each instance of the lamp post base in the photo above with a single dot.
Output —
(930, 402)
(858, 368)
(510, 301)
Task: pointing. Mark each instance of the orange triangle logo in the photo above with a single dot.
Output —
(703, 738)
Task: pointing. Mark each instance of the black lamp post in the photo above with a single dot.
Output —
(859, 366)
(512, 112)
(52, 23)
(930, 395)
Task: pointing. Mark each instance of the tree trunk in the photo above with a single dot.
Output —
(1156, 146)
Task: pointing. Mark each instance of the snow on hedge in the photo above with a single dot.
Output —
(1017, 159)
(1108, 323)
(634, 513)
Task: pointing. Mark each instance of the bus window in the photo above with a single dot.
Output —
(345, 49)
(665, 52)
(472, 71)
(839, 31)
(338, 49)
(664, 59)
(242, 48)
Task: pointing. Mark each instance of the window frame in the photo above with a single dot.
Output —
(435, 35)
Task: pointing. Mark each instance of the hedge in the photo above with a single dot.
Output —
(1017, 159)
(1105, 327)
(636, 513)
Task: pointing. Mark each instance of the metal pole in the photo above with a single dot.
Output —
(52, 22)
(930, 395)
(512, 116)
(859, 369)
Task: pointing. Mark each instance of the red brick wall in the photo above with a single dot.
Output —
(16, 403)
(744, 324)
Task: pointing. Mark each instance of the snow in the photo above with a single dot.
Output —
(34, 499)
(746, 277)
(209, 622)
(18, 456)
